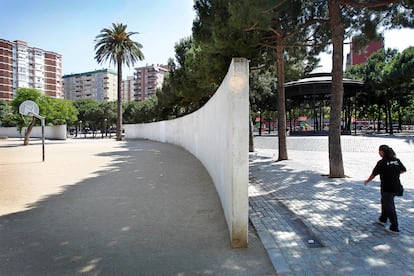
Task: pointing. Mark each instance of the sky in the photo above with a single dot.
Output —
(69, 27)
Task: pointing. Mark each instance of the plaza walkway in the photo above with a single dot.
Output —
(313, 225)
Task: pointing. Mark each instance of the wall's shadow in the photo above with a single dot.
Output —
(154, 210)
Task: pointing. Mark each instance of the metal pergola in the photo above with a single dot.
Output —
(316, 88)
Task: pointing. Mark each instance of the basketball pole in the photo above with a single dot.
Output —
(42, 120)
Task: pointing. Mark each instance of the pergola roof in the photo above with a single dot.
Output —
(319, 83)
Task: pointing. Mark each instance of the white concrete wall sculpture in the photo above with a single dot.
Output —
(51, 132)
(217, 134)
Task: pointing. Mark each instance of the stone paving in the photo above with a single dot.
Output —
(336, 234)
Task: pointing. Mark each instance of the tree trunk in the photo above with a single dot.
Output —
(379, 119)
(399, 119)
(28, 131)
(281, 105)
(320, 117)
(389, 116)
(251, 141)
(119, 102)
(336, 166)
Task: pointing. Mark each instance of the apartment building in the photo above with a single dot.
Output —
(360, 56)
(128, 89)
(22, 66)
(99, 85)
(147, 80)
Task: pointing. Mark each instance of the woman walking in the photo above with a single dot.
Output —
(389, 168)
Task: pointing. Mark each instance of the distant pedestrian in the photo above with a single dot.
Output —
(389, 168)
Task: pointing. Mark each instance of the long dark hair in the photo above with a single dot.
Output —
(388, 152)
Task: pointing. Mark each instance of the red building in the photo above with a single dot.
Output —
(23, 66)
(147, 80)
(360, 56)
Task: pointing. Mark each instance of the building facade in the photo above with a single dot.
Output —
(128, 89)
(22, 66)
(147, 80)
(100, 85)
(361, 56)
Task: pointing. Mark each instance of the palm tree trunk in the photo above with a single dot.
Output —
(119, 101)
(336, 166)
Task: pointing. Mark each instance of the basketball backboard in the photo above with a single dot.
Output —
(28, 107)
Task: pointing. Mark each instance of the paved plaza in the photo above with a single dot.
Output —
(313, 225)
(101, 207)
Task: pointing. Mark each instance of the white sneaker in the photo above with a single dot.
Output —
(380, 222)
(389, 230)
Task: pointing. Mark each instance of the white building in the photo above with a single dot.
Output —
(99, 85)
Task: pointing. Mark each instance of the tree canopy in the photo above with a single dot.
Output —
(55, 111)
(388, 88)
(282, 37)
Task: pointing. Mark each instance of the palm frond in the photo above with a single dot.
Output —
(115, 42)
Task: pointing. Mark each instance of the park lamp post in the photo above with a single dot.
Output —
(106, 127)
(80, 128)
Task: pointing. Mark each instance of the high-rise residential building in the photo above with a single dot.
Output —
(128, 89)
(22, 66)
(361, 56)
(99, 85)
(147, 80)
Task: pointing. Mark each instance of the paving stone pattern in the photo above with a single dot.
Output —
(339, 213)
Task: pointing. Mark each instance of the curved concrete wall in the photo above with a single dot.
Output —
(218, 135)
(51, 132)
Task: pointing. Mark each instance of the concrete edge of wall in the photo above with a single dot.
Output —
(51, 132)
(217, 134)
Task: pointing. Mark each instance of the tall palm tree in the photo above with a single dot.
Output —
(115, 44)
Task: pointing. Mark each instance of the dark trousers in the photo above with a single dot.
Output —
(388, 209)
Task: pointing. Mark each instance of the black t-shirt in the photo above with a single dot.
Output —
(389, 171)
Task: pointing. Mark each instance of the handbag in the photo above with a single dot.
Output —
(401, 192)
